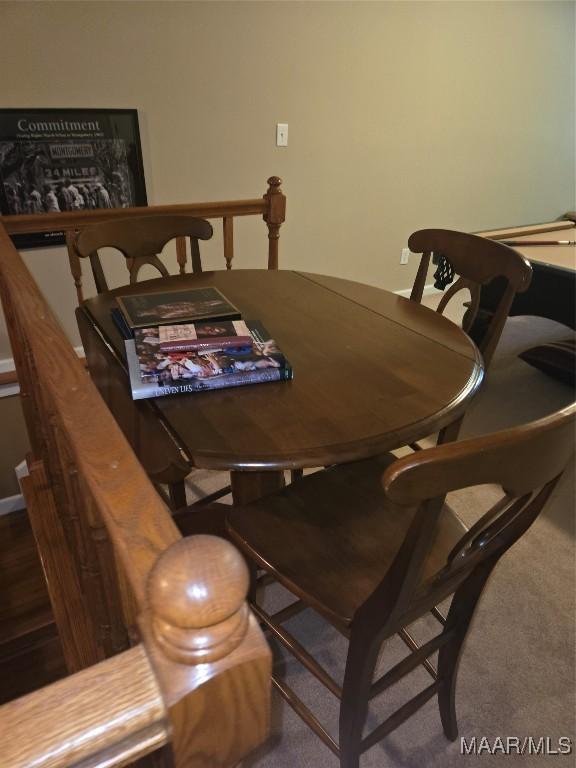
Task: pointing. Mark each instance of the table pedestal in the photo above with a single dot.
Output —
(249, 486)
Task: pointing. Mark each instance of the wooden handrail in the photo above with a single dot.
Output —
(271, 206)
(113, 710)
(11, 377)
(118, 570)
(72, 220)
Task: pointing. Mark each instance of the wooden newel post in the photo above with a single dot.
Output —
(211, 659)
(197, 595)
(274, 218)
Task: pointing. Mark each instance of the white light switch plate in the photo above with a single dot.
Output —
(281, 134)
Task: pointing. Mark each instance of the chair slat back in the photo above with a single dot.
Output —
(477, 261)
(525, 461)
(141, 241)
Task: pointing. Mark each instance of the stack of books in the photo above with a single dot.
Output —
(194, 340)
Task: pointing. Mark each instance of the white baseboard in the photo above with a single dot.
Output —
(21, 470)
(12, 504)
(6, 390)
(428, 290)
(7, 365)
(17, 502)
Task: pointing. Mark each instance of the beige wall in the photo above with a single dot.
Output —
(401, 115)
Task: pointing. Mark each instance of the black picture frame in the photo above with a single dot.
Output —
(68, 159)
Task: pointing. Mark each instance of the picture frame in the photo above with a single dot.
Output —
(68, 159)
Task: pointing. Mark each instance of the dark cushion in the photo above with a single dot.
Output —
(557, 359)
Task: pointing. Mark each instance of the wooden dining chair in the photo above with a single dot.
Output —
(373, 546)
(475, 261)
(140, 240)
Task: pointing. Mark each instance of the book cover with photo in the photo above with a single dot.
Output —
(211, 335)
(142, 310)
(155, 373)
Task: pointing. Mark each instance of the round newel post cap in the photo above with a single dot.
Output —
(197, 595)
(274, 182)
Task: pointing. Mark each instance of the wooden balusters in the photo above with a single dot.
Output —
(75, 265)
(25, 369)
(71, 613)
(274, 217)
(103, 570)
(228, 235)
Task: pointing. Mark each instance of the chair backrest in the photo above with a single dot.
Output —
(477, 261)
(525, 461)
(140, 241)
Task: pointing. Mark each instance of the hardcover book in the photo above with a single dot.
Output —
(156, 373)
(211, 335)
(142, 310)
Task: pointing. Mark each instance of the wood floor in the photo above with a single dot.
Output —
(30, 653)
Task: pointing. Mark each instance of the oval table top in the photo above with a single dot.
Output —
(372, 371)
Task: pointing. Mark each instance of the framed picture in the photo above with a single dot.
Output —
(68, 160)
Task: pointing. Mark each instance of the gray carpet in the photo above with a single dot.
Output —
(517, 671)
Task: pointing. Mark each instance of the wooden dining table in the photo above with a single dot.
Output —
(372, 371)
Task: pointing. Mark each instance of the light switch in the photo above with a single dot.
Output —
(281, 134)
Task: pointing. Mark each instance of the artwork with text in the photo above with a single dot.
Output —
(54, 161)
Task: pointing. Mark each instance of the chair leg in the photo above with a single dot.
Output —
(253, 585)
(447, 693)
(177, 494)
(458, 620)
(450, 433)
(360, 665)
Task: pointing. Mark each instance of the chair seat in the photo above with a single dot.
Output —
(330, 537)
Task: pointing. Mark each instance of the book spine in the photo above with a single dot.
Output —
(219, 382)
(205, 345)
(121, 325)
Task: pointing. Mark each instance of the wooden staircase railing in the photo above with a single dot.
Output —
(155, 629)
(271, 206)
